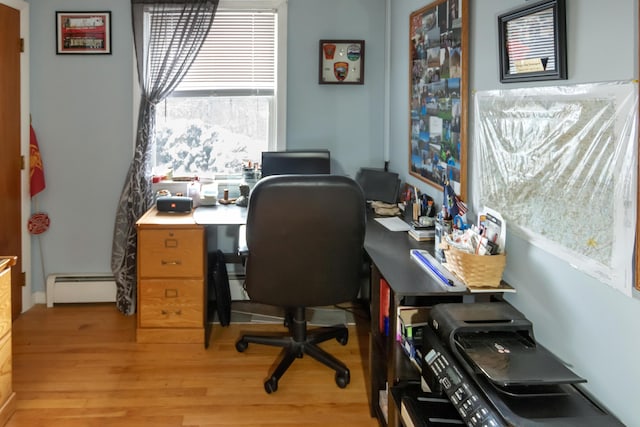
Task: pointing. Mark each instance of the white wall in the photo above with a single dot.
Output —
(592, 327)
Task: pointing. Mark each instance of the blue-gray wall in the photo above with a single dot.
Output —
(82, 112)
(346, 119)
(587, 324)
(82, 109)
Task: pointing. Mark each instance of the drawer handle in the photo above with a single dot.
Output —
(176, 262)
(167, 312)
(171, 293)
(170, 243)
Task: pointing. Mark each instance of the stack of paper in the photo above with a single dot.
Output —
(423, 234)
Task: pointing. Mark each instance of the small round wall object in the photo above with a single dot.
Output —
(38, 223)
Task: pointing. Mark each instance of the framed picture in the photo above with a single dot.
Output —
(341, 62)
(438, 39)
(83, 33)
(533, 43)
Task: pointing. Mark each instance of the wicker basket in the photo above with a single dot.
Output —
(475, 270)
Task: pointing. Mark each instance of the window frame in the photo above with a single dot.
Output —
(278, 107)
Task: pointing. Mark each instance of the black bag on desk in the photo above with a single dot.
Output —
(219, 298)
(379, 185)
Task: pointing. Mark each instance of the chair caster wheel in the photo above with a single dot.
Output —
(343, 339)
(271, 385)
(342, 380)
(241, 345)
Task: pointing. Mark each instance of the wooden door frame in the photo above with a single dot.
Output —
(23, 8)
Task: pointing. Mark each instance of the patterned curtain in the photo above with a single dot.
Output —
(167, 37)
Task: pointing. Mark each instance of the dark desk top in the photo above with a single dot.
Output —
(389, 251)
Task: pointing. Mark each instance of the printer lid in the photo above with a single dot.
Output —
(508, 358)
(495, 340)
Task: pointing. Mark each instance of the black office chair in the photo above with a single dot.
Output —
(305, 236)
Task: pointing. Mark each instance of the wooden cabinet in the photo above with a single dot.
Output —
(7, 396)
(171, 279)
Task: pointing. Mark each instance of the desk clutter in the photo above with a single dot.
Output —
(384, 208)
(172, 195)
(466, 255)
(423, 229)
(475, 253)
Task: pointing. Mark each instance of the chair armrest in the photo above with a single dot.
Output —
(243, 249)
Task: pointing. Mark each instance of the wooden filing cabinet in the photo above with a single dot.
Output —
(7, 396)
(171, 279)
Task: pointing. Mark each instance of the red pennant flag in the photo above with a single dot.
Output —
(36, 171)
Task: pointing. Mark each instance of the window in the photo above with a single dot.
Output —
(229, 108)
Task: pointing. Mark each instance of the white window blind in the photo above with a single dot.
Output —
(238, 56)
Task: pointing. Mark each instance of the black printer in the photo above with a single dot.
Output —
(484, 357)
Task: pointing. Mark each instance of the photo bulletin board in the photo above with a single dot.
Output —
(438, 37)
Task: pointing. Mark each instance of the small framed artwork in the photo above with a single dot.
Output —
(83, 33)
(341, 62)
(533, 43)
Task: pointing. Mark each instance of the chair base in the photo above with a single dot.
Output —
(297, 344)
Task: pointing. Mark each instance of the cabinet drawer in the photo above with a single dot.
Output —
(5, 301)
(171, 303)
(6, 388)
(171, 252)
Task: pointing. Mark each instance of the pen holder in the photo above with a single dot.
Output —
(475, 270)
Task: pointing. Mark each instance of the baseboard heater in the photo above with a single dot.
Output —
(78, 288)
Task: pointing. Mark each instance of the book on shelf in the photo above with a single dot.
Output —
(385, 294)
(423, 234)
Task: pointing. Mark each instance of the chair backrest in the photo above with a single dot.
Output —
(305, 235)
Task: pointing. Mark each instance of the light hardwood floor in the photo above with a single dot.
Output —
(79, 365)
